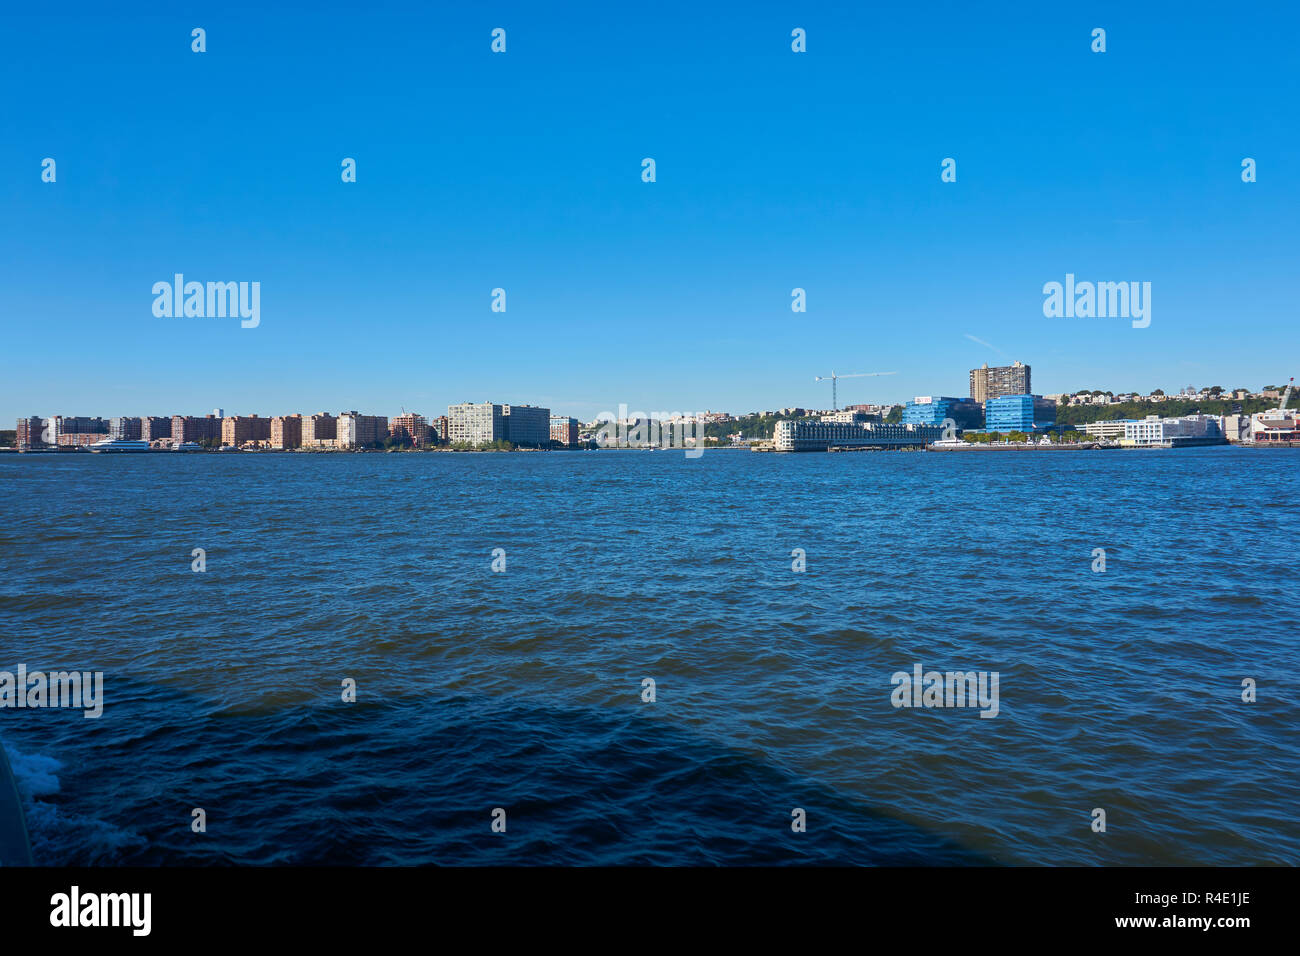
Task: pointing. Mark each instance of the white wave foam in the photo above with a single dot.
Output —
(35, 775)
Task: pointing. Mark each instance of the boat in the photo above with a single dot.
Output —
(118, 444)
(15, 846)
(188, 446)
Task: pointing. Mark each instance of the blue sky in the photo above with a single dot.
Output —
(775, 170)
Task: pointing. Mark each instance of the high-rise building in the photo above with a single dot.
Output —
(439, 428)
(75, 430)
(986, 383)
(154, 427)
(124, 428)
(32, 433)
(286, 431)
(79, 425)
(319, 431)
(564, 431)
(475, 424)
(196, 429)
(412, 426)
(527, 424)
(240, 429)
(355, 430)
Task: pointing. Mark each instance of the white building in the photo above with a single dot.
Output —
(804, 435)
(477, 424)
(354, 430)
(1112, 430)
(1188, 430)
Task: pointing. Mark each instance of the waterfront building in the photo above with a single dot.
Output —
(439, 428)
(319, 431)
(1274, 425)
(527, 424)
(986, 383)
(61, 430)
(934, 409)
(412, 426)
(241, 429)
(809, 435)
(354, 430)
(79, 439)
(124, 429)
(195, 428)
(1112, 430)
(848, 417)
(564, 431)
(475, 424)
(80, 424)
(1187, 430)
(155, 427)
(286, 431)
(1018, 413)
(31, 433)
(1235, 427)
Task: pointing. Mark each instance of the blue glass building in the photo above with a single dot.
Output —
(1018, 413)
(933, 409)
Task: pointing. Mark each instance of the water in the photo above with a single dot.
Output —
(522, 689)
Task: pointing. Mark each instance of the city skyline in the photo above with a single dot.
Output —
(1228, 392)
(775, 170)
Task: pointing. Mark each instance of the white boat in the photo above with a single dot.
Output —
(188, 446)
(119, 444)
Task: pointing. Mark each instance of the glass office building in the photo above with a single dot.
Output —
(1019, 413)
(933, 409)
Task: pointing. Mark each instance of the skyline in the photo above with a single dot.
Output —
(774, 171)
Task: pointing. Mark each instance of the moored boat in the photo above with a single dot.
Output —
(118, 444)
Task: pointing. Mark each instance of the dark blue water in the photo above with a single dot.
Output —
(522, 689)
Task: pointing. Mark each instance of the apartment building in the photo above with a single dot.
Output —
(475, 424)
(31, 433)
(527, 424)
(354, 430)
(197, 428)
(286, 431)
(412, 426)
(319, 431)
(564, 431)
(438, 427)
(154, 427)
(986, 383)
(124, 428)
(241, 429)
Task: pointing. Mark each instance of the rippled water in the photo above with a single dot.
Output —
(522, 689)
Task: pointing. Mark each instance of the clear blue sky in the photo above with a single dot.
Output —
(523, 171)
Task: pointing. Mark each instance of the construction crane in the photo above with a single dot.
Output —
(1285, 396)
(834, 377)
